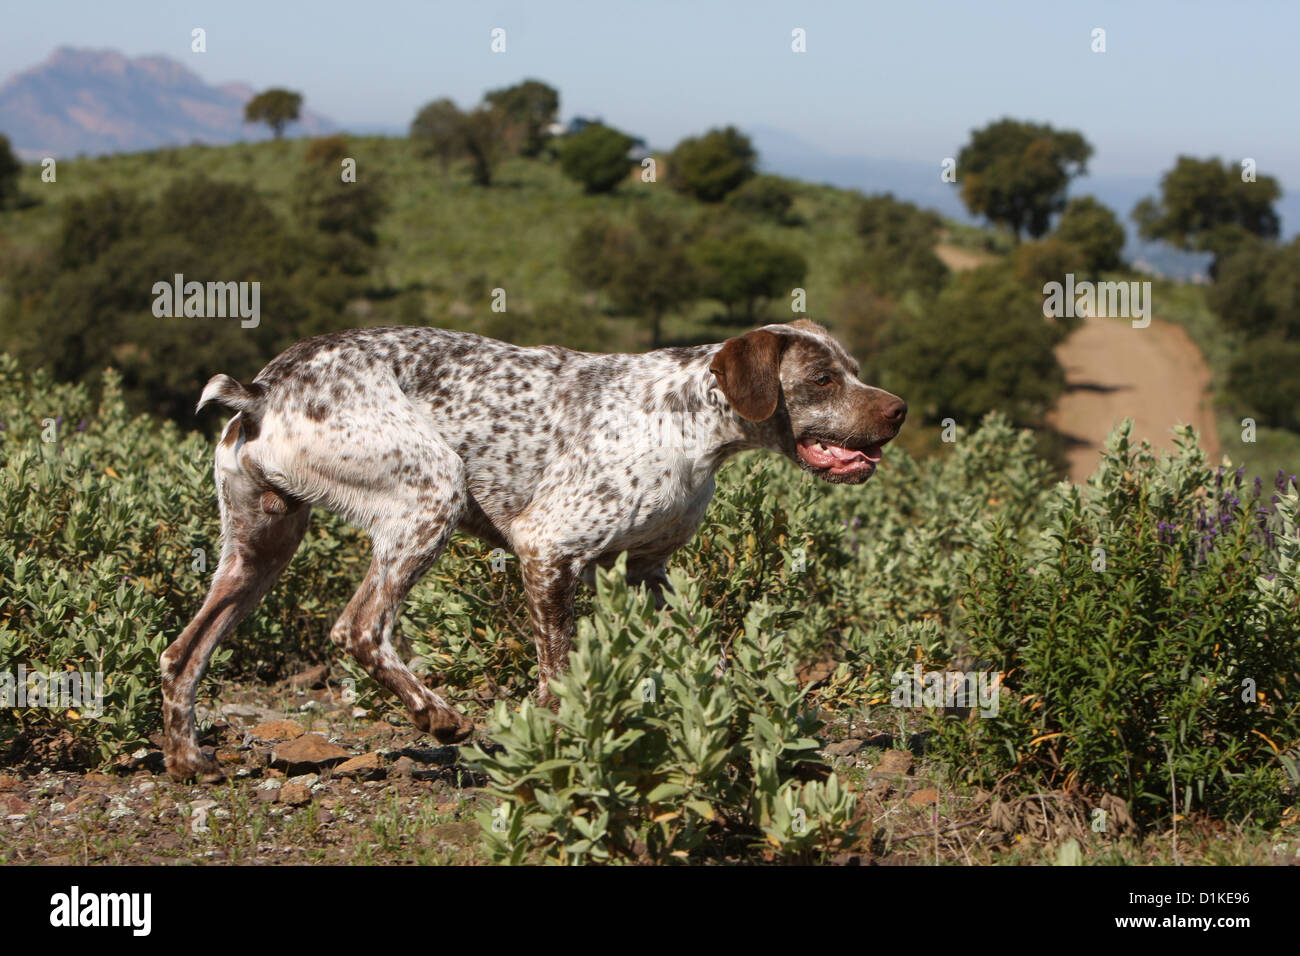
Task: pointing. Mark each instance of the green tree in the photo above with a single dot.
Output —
(1034, 264)
(1257, 290)
(437, 131)
(767, 197)
(1204, 205)
(531, 106)
(484, 135)
(709, 167)
(277, 108)
(1264, 376)
(328, 202)
(742, 271)
(596, 157)
(982, 346)
(897, 254)
(111, 249)
(1015, 173)
(1095, 230)
(642, 267)
(9, 171)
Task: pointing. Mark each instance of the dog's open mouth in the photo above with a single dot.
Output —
(836, 459)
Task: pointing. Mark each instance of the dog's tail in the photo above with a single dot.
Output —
(225, 391)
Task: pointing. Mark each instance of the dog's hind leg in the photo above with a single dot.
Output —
(414, 497)
(260, 531)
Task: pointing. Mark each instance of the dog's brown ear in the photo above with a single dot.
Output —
(747, 368)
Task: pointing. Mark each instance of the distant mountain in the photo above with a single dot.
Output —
(100, 101)
(785, 154)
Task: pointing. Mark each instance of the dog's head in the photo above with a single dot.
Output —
(804, 388)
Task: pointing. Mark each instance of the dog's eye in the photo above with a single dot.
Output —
(823, 379)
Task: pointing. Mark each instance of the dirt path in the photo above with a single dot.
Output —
(958, 258)
(1157, 376)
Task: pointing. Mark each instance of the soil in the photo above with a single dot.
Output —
(1154, 375)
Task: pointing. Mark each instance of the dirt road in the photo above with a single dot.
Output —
(1156, 376)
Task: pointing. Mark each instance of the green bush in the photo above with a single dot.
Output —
(670, 744)
(744, 271)
(709, 167)
(767, 197)
(1095, 230)
(1147, 642)
(1264, 376)
(596, 157)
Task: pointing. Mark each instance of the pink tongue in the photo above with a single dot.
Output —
(827, 455)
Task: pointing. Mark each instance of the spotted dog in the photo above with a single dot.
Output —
(565, 458)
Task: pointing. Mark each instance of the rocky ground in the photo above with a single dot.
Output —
(312, 778)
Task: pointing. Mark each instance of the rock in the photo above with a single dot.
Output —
(10, 805)
(244, 711)
(893, 766)
(403, 766)
(86, 802)
(894, 761)
(142, 759)
(442, 756)
(268, 791)
(307, 780)
(307, 753)
(842, 748)
(365, 767)
(295, 795)
(199, 810)
(8, 782)
(816, 673)
(310, 679)
(277, 730)
(923, 798)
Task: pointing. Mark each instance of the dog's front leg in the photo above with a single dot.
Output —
(550, 582)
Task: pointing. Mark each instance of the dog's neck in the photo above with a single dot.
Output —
(711, 431)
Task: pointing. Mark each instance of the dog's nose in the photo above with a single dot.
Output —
(895, 411)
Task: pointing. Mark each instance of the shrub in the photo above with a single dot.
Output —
(709, 167)
(1095, 230)
(1264, 376)
(767, 197)
(670, 744)
(596, 157)
(743, 271)
(982, 346)
(897, 256)
(1163, 668)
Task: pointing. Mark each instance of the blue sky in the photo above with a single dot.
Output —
(905, 80)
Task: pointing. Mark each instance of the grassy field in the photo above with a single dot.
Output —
(446, 244)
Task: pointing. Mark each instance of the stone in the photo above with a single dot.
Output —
(307, 753)
(923, 798)
(365, 767)
(310, 679)
(277, 730)
(8, 782)
(295, 795)
(894, 761)
(85, 802)
(843, 748)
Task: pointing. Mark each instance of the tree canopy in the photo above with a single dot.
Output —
(1015, 173)
(277, 108)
